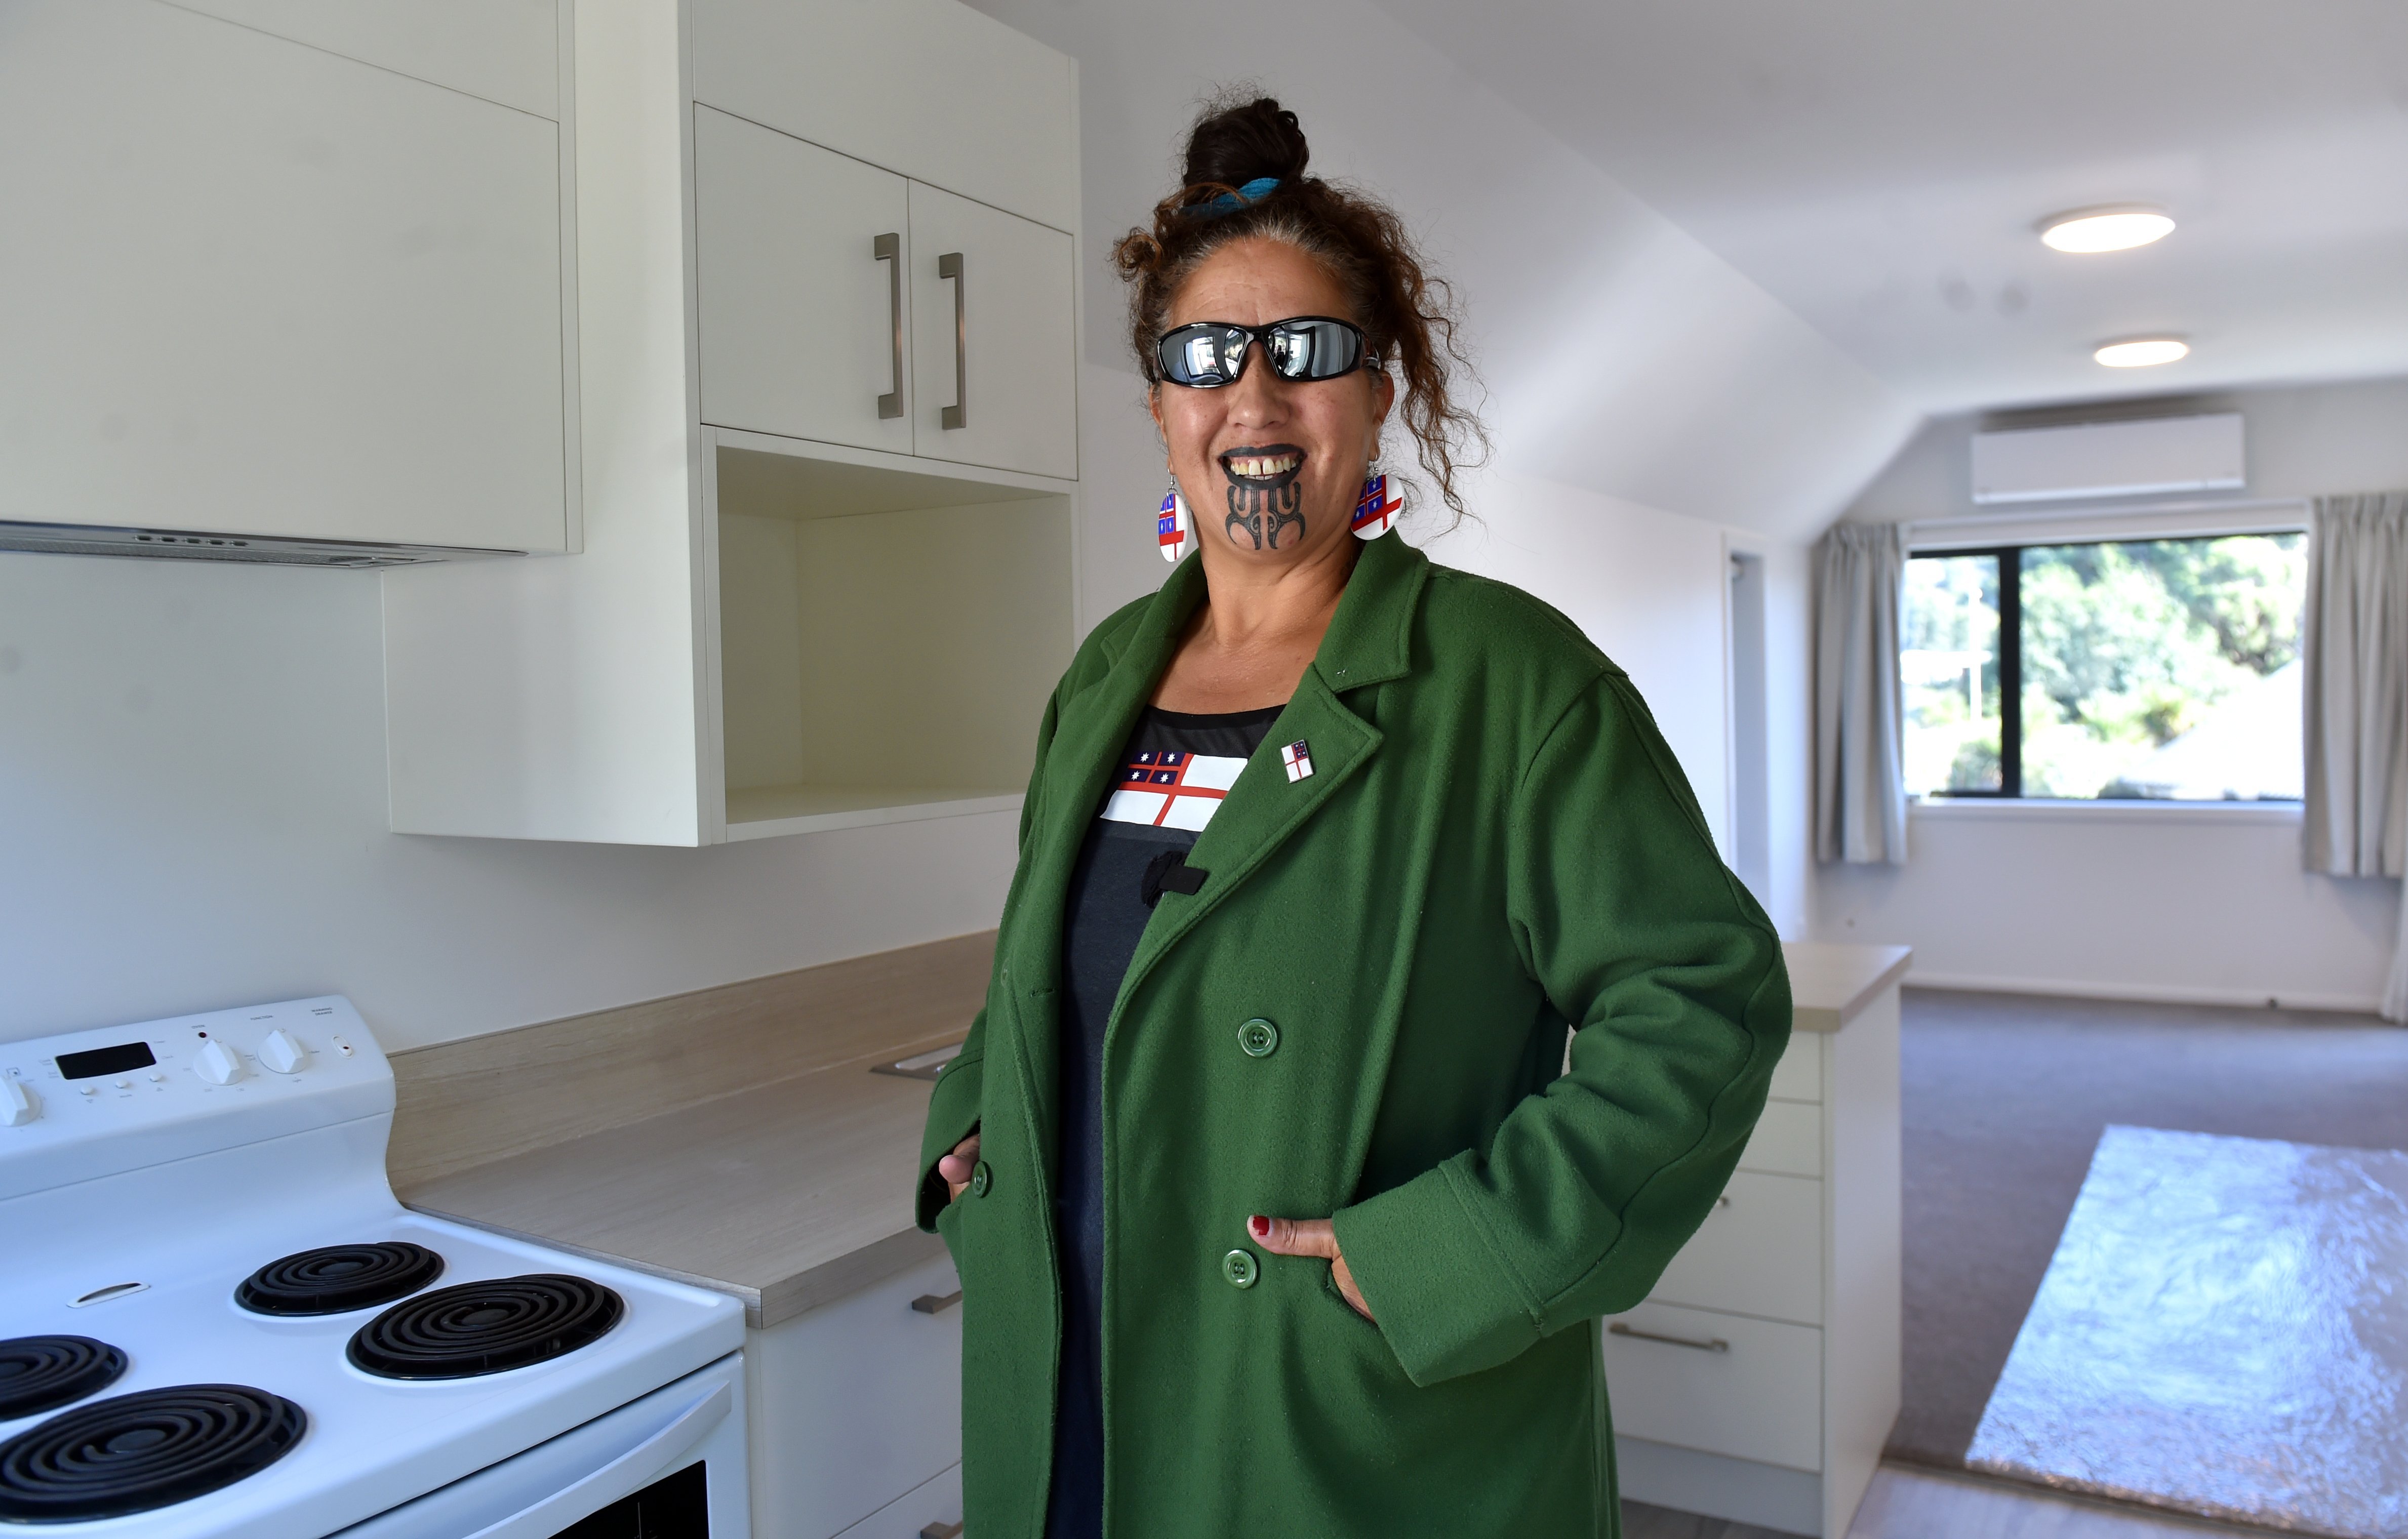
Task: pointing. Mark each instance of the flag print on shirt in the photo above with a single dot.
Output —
(1169, 788)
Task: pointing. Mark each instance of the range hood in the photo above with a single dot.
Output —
(75, 539)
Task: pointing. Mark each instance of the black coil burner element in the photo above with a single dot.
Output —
(136, 1452)
(41, 1374)
(485, 1327)
(339, 1278)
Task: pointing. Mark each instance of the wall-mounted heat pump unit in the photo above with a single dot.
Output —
(2109, 459)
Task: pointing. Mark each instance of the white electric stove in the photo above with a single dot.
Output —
(215, 1318)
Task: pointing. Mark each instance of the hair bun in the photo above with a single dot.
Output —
(1241, 143)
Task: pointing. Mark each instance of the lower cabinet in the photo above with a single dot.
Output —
(1758, 1382)
(855, 1415)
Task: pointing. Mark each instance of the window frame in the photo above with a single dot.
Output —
(2010, 664)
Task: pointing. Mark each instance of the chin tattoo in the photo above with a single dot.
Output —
(1262, 513)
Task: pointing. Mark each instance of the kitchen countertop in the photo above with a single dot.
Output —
(1831, 982)
(789, 1196)
(797, 1192)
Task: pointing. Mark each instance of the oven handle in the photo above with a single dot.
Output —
(684, 1430)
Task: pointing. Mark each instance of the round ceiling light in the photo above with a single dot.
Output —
(2118, 229)
(2141, 352)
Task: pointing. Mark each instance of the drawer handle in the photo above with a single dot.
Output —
(1714, 1343)
(889, 248)
(936, 1303)
(942, 1531)
(957, 415)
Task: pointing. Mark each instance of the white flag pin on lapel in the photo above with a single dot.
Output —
(1297, 758)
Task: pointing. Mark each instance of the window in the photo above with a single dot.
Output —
(2163, 670)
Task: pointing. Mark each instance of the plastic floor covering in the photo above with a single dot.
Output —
(2223, 1331)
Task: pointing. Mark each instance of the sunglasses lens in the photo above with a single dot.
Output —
(1205, 355)
(1201, 356)
(1314, 350)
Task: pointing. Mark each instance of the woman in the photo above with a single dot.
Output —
(1276, 1209)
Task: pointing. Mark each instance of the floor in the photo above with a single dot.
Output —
(2006, 1096)
(1908, 1504)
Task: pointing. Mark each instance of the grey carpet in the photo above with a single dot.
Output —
(2006, 1096)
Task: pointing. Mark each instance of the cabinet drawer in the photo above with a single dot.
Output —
(1760, 1252)
(937, 1504)
(1799, 1076)
(853, 1405)
(796, 309)
(993, 367)
(1748, 1388)
(1787, 1141)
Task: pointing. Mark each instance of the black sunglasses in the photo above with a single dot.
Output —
(1207, 354)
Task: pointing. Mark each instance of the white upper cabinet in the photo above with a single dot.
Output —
(828, 491)
(800, 269)
(260, 288)
(504, 50)
(992, 351)
(929, 88)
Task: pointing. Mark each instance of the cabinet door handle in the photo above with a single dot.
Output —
(1714, 1343)
(942, 1531)
(889, 249)
(957, 415)
(936, 1303)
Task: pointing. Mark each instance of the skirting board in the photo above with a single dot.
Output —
(1736, 1490)
(2150, 993)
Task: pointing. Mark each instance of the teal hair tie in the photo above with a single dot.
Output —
(1229, 203)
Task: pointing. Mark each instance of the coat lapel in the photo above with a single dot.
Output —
(1087, 739)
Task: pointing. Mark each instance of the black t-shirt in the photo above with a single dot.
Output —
(1174, 772)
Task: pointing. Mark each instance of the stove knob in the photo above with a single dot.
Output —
(19, 1104)
(218, 1063)
(281, 1053)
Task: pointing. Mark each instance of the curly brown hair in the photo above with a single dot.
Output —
(1407, 315)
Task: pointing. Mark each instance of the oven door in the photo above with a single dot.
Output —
(670, 1464)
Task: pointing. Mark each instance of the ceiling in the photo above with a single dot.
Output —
(1879, 166)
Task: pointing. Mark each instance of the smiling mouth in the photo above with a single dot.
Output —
(1267, 469)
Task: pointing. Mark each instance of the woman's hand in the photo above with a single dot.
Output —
(955, 1167)
(1310, 1237)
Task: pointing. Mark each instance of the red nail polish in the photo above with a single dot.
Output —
(1260, 1226)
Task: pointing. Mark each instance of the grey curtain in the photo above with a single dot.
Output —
(2354, 638)
(1860, 780)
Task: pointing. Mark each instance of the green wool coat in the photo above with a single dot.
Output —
(1495, 848)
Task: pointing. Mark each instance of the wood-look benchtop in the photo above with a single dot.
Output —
(1830, 982)
(733, 1137)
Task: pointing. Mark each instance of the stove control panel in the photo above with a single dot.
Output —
(88, 1104)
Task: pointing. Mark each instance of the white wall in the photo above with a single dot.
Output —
(2205, 903)
(2201, 904)
(192, 815)
(192, 784)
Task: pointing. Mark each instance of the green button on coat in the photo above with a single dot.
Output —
(1258, 1038)
(1240, 1268)
(981, 1178)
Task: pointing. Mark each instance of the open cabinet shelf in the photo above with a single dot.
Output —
(887, 637)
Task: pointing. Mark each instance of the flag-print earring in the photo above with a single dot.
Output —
(1375, 511)
(1172, 527)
